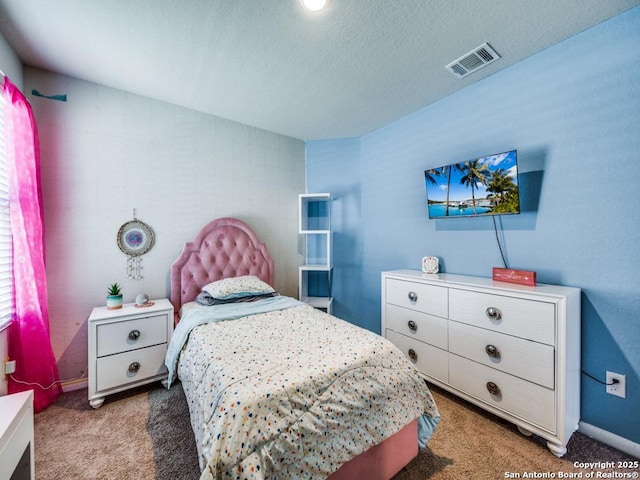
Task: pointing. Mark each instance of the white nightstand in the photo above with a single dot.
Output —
(127, 347)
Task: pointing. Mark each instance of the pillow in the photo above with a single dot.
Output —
(237, 287)
(205, 299)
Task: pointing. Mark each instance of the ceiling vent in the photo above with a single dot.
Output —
(472, 61)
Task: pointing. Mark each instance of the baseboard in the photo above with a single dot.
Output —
(611, 439)
(72, 385)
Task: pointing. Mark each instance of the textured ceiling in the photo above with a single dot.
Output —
(341, 72)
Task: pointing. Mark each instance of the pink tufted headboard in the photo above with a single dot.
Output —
(226, 247)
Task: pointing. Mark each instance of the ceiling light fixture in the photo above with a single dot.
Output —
(314, 5)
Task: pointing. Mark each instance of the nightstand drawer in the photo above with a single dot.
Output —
(421, 326)
(530, 319)
(429, 360)
(116, 370)
(117, 337)
(523, 399)
(523, 358)
(417, 296)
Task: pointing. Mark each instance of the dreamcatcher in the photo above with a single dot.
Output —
(135, 238)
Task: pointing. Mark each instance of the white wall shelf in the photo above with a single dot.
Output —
(314, 222)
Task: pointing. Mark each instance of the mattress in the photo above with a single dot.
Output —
(278, 389)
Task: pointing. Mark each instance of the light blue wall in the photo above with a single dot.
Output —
(573, 113)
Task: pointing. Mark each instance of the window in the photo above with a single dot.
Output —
(5, 227)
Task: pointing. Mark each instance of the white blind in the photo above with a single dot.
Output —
(5, 227)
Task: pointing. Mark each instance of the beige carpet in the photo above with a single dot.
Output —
(145, 434)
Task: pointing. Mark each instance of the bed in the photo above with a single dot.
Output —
(277, 389)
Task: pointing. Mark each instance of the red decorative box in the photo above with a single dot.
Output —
(523, 277)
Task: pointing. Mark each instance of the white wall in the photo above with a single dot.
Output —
(105, 152)
(10, 63)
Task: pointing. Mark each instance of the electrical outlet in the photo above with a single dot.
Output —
(618, 388)
(9, 367)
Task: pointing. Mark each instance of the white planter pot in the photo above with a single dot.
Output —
(114, 302)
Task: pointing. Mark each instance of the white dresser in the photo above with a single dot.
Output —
(513, 350)
(127, 347)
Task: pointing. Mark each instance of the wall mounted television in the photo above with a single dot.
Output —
(479, 187)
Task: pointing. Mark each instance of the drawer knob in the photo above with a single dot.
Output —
(412, 325)
(134, 334)
(492, 351)
(493, 313)
(413, 296)
(413, 355)
(493, 388)
(134, 367)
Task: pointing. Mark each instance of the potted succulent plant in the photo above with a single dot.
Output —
(114, 297)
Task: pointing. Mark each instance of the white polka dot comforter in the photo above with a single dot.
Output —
(294, 393)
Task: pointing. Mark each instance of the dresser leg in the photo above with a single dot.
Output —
(557, 449)
(524, 431)
(96, 402)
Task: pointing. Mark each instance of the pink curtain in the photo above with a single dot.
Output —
(29, 339)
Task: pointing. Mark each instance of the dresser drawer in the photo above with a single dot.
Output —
(529, 319)
(525, 400)
(113, 371)
(121, 336)
(421, 326)
(429, 360)
(417, 296)
(528, 360)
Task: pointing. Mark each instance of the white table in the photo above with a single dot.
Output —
(16, 436)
